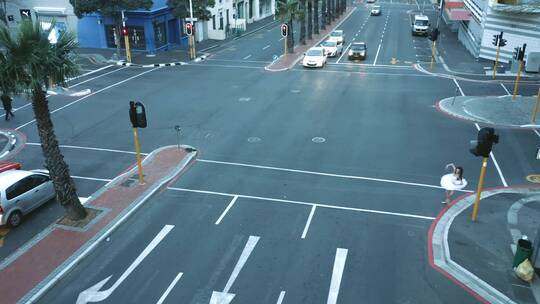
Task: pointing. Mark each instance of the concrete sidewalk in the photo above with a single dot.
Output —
(502, 111)
(478, 256)
(40, 263)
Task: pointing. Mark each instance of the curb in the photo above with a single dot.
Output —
(16, 141)
(439, 252)
(128, 64)
(50, 280)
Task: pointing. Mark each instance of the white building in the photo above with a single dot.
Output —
(230, 14)
(519, 20)
(44, 11)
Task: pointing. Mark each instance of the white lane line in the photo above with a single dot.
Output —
(505, 89)
(538, 134)
(418, 5)
(377, 55)
(264, 48)
(459, 87)
(337, 273)
(96, 77)
(503, 180)
(250, 245)
(281, 39)
(90, 73)
(281, 296)
(286, 201)
(171, 286)
(320, 173)
(306, 228)
(247, 57)
(90, 148)
(105, 180)
(344, 52)
(226, 210)
(91, 94)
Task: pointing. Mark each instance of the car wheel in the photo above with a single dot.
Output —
(15, 219)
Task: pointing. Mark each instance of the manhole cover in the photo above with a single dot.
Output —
(244, 99)
(534, 178)
(318, 140)
(254, 139)
(295, 91)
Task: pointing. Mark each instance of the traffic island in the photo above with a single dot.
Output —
(40, 263)
(478, 256)
(11, 142)
(501, 111)
(286, 62)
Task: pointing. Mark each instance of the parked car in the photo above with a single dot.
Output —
(314, 57)
(331, 48)
(22, 191)
(376, 10)
(370, 1)
(358, 50)
(337, 36)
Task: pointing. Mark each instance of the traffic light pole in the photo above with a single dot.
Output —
(479, 189)
(536, 106)
(193, 53)
(138, 155)
(433, 53)
(126, 40)
(496, 60)
(516, 84)
(285, 39)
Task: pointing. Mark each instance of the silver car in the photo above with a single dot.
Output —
(22, 191)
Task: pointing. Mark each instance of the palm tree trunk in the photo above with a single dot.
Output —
(323, 15)
(332, 10)
(316, 16)
(303, 23)
(290, 38)
(58, 168)
(310, 20)
(338, 8)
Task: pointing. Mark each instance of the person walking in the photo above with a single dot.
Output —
(453, 181)
(7, 103)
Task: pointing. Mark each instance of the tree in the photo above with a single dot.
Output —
(310, 19)
(323, 15)
(3, 12)
(29, 63)
(109, 8)
(303, 23)
(331, 11)
(316, 16)
(289, 11)
(200, 8)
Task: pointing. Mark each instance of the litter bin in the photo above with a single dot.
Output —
(523, 251)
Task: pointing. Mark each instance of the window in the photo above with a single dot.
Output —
(19, 188)
(214, 22)
(220, 20)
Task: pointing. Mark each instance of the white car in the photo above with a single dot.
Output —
(22, 191)
(376, 10)
(331, 48)
(314, 57)
(337, 36)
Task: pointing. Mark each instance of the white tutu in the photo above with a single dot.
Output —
(449, 182)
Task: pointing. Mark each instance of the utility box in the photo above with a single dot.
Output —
(532, 64)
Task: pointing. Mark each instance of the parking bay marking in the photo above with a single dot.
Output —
(168, 290)
(224, 297)
(337, 273)
(309, 221)
(226, 209)
(93, 294)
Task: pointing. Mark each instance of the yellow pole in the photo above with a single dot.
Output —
(285, 53)
(193, 52)
(517, 80)
(496, 62)
(479, 189)
(536, 106)
(138, 155)
(432, 54)
(128, 50)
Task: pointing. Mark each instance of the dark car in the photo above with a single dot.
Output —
(358, 50)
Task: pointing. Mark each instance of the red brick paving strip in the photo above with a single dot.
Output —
(33, 266)
(287, 62)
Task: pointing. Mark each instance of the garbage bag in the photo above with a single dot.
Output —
(525, 271)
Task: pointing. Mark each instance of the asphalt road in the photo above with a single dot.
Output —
(313, 186)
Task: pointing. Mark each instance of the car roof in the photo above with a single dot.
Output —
(359, 43)
(338, 31)
(421, 17)
(8, 178)
(316, 48)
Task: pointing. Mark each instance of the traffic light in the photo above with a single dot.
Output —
(125, 31)
(137, 114)
(189, 29)
(502, 42)
(284, 30)
(495, 40)
(483, 145)
(516, 53)
(521, 55)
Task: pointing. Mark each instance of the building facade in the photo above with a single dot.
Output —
(477, 21)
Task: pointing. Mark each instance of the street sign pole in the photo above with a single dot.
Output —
(433, 53)
(536, 106)
(479, 189)
(126, 39)
(496, 60)
(138, 155)
(516, 83)
(193, 54)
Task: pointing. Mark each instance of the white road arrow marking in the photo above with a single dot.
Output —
(93, 294)
(225, 297)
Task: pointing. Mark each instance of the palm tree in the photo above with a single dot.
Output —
(289, 11)
(316, 16)
(310, 19)
(303, 23)
(30, 63)
(331, 11)
(323, 15)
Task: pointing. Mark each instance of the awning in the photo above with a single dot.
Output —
(458, 14)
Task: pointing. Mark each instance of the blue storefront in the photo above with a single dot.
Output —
(153, 30)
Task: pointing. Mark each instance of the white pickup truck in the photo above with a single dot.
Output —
(420, 25)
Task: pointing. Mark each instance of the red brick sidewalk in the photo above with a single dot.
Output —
(286, 62)
(52, 253)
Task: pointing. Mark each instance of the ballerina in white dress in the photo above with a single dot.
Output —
(453, 181)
